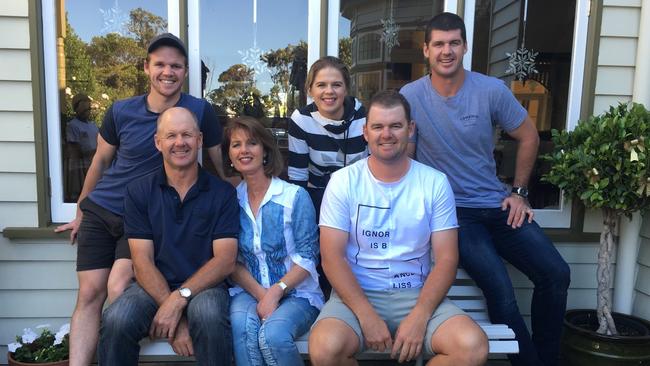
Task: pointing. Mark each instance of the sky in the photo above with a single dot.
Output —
(227, 30)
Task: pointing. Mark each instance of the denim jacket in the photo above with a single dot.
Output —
(283, 234)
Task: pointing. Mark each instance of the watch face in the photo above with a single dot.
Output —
(185, 292)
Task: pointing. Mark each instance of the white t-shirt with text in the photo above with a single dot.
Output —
(389, 224)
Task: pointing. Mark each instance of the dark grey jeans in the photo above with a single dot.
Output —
(127, 321)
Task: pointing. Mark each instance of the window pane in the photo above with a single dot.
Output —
(384, 42)
(101, 49)
(255, 58)
(548, 30)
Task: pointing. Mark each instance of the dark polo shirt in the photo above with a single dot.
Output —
(182, 232)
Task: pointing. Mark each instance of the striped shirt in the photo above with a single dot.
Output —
(319, 146)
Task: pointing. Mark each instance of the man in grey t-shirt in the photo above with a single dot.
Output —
(455, 111)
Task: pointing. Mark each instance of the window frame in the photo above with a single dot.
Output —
(61, 211)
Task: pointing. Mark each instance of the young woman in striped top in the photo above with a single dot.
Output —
(327, 134)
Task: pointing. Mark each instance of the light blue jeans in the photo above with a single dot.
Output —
(271, 342)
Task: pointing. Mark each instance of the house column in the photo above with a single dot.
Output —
(628, 248)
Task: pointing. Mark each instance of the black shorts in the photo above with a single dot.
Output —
(100, 240)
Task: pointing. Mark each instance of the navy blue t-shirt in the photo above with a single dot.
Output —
(182, 232)
(130, 126)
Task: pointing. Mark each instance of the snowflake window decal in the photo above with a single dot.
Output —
(114, 19)
(389, 32)
(252, 57)
(521, 63)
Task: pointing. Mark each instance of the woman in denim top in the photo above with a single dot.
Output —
(276, 297)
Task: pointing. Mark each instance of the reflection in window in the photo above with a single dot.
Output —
(375, 65)
(369, 47)
(499, 28)
(256, 60)
(101, 52)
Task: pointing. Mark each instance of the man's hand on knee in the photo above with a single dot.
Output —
(169, 313)
(182, 342)
(375, 332)
(410, 336)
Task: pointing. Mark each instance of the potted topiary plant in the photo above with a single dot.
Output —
(48, 348)
(605, 164)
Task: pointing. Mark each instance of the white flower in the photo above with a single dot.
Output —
(14, 346)
(58, 337)
(29, 336)
(104, 96)
(74, 78)
(68, 91)
(65, 329)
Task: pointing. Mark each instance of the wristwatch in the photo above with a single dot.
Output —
(185, 292)
(520, 191)
(282, 285)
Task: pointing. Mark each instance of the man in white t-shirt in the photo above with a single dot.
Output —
(381, 221)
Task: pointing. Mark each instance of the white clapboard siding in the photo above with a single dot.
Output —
(14, 8)
(18, 214)
(16, 95)
(16, 126)
(617, 53)
(641, 304)
(615, 80)
(620, 21)
(18, 187)
(23, 157)
(15, 31)
(16, 65)
(36, 304)
(634, 3)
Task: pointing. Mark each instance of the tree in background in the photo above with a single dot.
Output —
(345, 51)
(237, 94)
(79, 72)
(111, 66)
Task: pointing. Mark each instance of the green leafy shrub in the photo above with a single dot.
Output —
(604, 163)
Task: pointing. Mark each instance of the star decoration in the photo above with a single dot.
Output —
(389, 33)
(521, 63)
(252, 58)
(114, 19)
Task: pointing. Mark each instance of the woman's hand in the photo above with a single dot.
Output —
(267, 305)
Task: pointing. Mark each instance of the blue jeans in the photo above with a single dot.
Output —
(270, 342)
(484, 237)
(126, 321)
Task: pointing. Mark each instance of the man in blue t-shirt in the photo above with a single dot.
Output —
(455, 111)
(182, 226)
(125, 151)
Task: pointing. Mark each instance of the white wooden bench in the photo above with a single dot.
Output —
(463, 293)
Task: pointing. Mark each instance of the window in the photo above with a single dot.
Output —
(96, 48)
(369, 48)
(99, 47)
(260, 69)
(556, 29)
(393, 28)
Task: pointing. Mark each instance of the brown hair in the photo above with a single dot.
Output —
(389, 99)
(256, 131)
(323, 63)
(445, 22)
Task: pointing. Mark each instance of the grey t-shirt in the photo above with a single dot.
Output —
(456, 134)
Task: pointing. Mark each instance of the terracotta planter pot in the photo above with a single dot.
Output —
(582, 346)
(13, 362)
